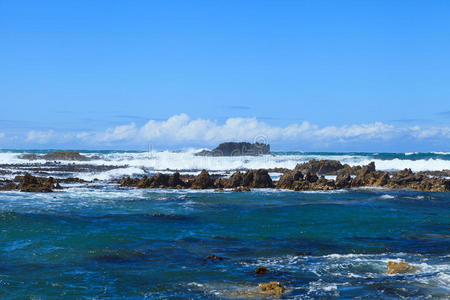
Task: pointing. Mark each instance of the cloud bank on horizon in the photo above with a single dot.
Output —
(181, 131)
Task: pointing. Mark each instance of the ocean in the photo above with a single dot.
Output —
(98, 240)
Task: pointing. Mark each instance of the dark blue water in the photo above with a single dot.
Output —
(108, 243)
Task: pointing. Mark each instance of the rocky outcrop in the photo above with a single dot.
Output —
(237, 149)
(394, 267)
(325, 167)
(33, 184)
(57, 155)
(272, 288)
(238, 181)
(297, 180)
(203, 181)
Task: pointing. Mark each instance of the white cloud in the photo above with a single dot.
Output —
(2, 135)
(182, 129)
(40, 137)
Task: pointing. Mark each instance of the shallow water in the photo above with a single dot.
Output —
(104, 242)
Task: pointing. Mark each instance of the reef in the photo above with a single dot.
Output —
(34, 184)
(304, 177)
(239, 181)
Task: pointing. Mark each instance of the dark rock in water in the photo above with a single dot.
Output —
(33, 184)
(57, 155)
(262, 270)
(237, 149)
(214, 257)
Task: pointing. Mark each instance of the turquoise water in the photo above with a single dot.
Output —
(103, 242)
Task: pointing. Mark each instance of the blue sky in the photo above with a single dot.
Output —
(306, 75)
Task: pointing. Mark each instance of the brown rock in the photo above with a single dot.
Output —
(272, 288)
(329, 167)
(262, 270)
(203, 181)
(399, 268)
(241, 189)
(9, 186)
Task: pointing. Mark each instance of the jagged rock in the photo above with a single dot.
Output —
(311, 178)
(175, 180)
(326, 167)
(400, 267)
(287, 181)
(127, 181)
(33, 184)
(261, 179)
(262, 270)
(343, 179)
(368, 176)
(237, 149)
(235, 180)
(203, 181)
(294, 180)
(272, 288)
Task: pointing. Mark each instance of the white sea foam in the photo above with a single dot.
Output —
(187, 160)
(112, 174)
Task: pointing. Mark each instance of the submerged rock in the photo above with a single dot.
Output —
(394, 267)
(272, 288)
(214, 257)
(237, 149)
(262, 270)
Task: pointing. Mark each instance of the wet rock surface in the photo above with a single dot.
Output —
(394, 267)
(272, 288)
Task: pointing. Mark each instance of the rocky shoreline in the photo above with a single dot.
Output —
(309, 176)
